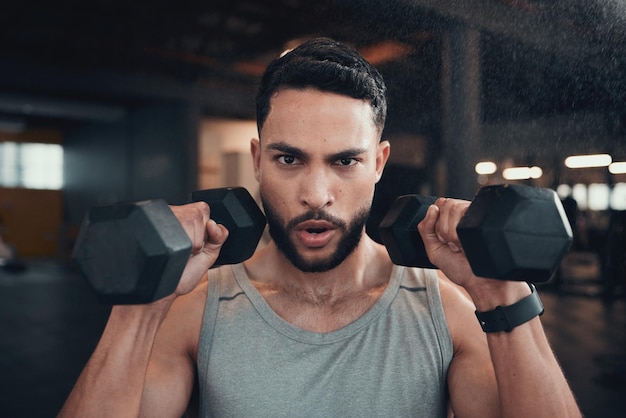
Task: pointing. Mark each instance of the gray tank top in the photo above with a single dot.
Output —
(390, 362)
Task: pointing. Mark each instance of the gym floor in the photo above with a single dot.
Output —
(50, 322)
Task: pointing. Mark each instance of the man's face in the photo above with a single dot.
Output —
(317, 163)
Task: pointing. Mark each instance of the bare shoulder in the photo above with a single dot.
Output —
(459, 311)
(453, 296)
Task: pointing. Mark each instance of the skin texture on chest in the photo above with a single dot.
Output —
(321, 312)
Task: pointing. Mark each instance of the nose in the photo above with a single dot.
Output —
(316, 191)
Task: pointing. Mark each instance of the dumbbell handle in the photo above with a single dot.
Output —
(407, 210)
(236, 209)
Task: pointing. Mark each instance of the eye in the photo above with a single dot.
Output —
(287, 159)
(346, 162)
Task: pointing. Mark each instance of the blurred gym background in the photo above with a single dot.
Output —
(109, 101)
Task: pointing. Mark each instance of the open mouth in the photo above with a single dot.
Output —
(315, 227)
(315, 233)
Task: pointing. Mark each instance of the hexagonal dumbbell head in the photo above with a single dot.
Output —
(398, 231)
(515, 232)
(132, 253)
(234, 208)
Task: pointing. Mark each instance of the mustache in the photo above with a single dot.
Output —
(314, 215)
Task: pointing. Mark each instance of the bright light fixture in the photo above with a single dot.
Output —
(563, 190)
(598, 195)
(618, 197)
(485, 167)
(617, 168)
(587, 161)
(522, 173)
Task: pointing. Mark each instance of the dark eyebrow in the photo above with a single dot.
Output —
(287, 149)
(349, 153)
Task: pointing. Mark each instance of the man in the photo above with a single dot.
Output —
(320, 322)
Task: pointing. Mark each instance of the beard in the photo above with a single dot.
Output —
(279, 232)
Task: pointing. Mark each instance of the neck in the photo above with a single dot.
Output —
(366, 268)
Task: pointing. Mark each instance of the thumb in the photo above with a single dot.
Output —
(427, 226)
(200, 261)
(216, 235)
(432, 242)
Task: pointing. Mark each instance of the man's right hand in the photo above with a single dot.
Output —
(206, 237)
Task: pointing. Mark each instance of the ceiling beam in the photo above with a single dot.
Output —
(524, 24)
(60, 108)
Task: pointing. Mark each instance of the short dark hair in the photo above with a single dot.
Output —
(326, 65)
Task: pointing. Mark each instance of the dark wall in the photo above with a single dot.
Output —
(163, 137)
(147, 154)
(95, 167)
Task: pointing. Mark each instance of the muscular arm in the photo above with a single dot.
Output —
(509, 374)
(530, 380)
(144, 364)
(504, 374)
(115, 371)
(144, 360)
(172, 368)
(471, 361)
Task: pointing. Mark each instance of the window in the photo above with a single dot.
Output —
(31, 166)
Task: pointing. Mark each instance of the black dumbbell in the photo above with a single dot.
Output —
(136, 252)
(509, 232)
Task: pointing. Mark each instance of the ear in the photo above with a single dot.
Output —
(382, 155)
(255, 150)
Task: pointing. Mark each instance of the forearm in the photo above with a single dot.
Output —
(111, 383)
(530, 380)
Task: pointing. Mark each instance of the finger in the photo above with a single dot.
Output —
(437, 227)
(443, 226)
(454, 247)
(193, 218)
(451, 212)
(458, 211)
(427, 227)
(201, 260)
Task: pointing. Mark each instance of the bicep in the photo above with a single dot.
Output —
(170, 377)
(472, 387)
(471, 377)
(168, 388)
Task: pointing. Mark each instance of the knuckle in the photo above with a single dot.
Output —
(202, 206)
(198, 209)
